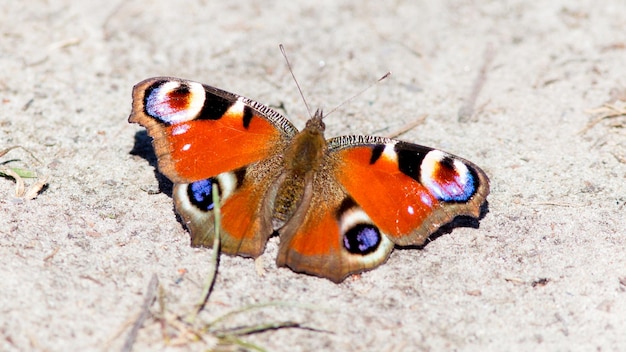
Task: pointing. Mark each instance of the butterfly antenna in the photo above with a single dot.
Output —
(359, 93)
(282, 50)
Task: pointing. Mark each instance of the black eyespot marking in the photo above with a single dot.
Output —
(447, 162)
(410, 159)
(362, 239)
(214, 107)
(347, 204)
(247, 116)
(240, 174)
(182, 90)
(200, 194)
(377, 151)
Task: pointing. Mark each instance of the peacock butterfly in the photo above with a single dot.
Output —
(338, 205)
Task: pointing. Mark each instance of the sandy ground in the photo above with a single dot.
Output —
(545, 270)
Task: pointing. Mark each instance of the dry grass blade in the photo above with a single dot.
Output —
(254, 329)
(210, 282)
(259, 306)
(235, 341)
(19, 182)
(18, 174)
(149, 298)
(34, 189)
(606, 111)
(3, 152)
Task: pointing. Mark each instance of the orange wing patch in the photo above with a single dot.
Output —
(243, 224)
(319, 238)
(395, 202)
(201, 149)
(317, 245)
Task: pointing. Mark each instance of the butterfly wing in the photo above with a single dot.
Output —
(200, 131)
(203, 135)
(430, 187)
(330, 235)
(385, 192)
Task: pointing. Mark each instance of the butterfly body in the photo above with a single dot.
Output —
(338, 205)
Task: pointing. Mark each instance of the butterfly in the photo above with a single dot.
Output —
(339, 206)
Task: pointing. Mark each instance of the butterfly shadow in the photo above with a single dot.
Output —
(459, 221)
(143, 148)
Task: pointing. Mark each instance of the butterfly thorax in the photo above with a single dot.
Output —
(307, 149)
(302, 159)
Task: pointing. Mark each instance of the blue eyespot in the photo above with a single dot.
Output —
(456, 190)
(201, 194)
(362, 239)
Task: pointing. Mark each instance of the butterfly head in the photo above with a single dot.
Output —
(316, 123)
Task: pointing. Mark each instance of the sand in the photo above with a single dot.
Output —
(544, 269)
